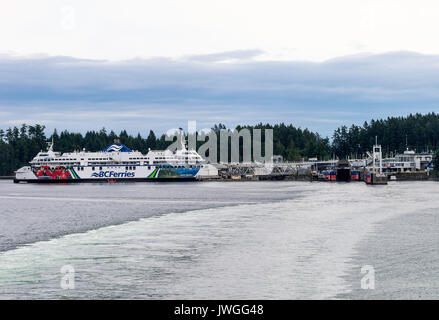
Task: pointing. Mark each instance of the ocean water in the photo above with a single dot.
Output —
(219, 240)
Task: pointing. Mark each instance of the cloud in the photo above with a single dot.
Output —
(226, 56)
(160, 93)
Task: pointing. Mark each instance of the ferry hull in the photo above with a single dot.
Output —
(72, 174)
(117, 180)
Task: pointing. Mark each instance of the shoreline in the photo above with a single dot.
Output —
(245, 179)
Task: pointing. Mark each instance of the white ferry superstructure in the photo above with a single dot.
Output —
(115, 163)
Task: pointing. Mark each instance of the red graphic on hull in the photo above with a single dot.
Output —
(57, 173)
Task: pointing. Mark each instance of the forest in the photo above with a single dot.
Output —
(395, 134)
(18, 145)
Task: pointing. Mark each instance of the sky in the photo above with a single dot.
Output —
(141, 65)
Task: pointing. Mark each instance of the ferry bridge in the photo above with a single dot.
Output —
(280, 169)
(273, 169)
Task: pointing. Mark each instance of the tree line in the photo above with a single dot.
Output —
(18, 145)
(417, 132)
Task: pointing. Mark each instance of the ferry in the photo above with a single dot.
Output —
(115, 163)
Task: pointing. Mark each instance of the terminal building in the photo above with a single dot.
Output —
(409, 161)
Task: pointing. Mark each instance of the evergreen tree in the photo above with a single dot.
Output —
(421, 132)
(151, 141)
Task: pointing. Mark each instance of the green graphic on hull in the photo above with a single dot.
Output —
(168, 173)
(74, 174)
(153, 174)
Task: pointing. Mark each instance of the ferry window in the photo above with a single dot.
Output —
(100, 168)
(149, 168)
(93, 168)
(134, 168)
(126, 168)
